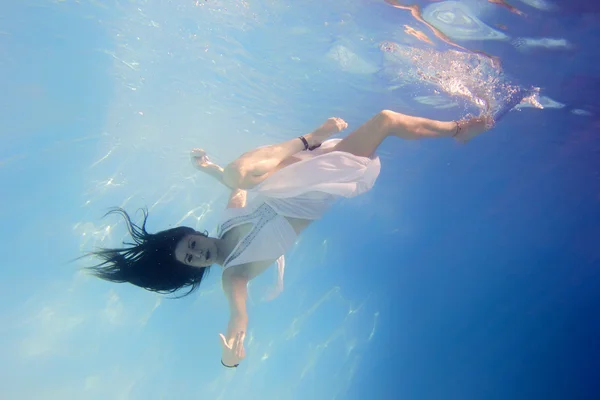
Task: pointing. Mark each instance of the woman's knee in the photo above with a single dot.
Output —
(395, 120)
(386, 118)
(234, 174)
(389, 115)
(386, 114)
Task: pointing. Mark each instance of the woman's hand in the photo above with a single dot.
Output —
(201, 162)
(233, 350)
(199, 159)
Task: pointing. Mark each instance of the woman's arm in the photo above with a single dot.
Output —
(201, 162)
(235, 286)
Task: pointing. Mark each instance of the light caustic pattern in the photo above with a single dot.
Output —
(458, 22)
(528, 44)
(176, 86)
(543, 5)
(472, 75)
(453, 22)
(345, 341)
(179, 71)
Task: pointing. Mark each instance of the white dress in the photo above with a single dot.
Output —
(305, 190)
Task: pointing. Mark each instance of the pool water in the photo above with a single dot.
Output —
(467, 272)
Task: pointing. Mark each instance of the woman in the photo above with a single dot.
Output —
(277, 191)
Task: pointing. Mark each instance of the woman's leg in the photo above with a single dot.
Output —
(255, 166)
(365, 140)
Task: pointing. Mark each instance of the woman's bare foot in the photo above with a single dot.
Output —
(472, 127)
(329, 127)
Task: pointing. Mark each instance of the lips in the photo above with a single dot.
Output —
(207, 254)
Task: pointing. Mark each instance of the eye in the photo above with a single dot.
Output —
(193, 244)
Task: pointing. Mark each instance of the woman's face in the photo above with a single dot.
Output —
(196, 250)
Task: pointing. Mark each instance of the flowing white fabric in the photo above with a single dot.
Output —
(270, 237)
(305, 190)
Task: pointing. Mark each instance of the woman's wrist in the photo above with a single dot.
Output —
(214, 170)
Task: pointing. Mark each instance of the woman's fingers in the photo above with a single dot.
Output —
(236, 345)
(238, 340)
(224, 341)
(238, 348)
(198, 154)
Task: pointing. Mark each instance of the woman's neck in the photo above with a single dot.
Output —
(226, 245)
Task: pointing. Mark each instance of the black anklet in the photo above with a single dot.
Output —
(306, 146)
(305, 142)
(229, 366)
(458, 129)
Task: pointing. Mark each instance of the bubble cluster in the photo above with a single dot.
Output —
(473, 77)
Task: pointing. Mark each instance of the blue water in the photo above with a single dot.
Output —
(468, 272)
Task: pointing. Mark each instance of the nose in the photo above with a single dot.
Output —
(197, 253)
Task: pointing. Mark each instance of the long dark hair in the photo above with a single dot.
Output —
(150, 261)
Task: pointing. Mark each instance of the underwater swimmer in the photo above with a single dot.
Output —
(276, 192)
